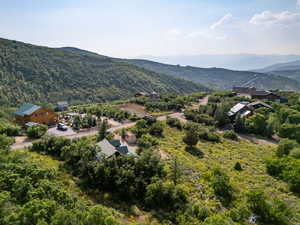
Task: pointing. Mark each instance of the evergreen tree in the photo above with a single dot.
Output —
(239, 125)
(175, 171)
(191, 138)
(102, 130)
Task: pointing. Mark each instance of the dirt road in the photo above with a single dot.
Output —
(91, 132)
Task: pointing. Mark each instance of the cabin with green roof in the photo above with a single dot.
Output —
(29, 113)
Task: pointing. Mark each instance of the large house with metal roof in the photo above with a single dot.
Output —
(245, 109)
(29, 114)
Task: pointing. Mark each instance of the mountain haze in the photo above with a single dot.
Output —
(37, 74)
(219, 78)
(228, 61)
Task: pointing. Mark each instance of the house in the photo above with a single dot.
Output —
(244, 91)
(154, 94)
(240, 107)
(142, 94)
(36, 114)
(113, 148)
(251, 92)
(246, 109)
(265, 95)
(62, 106)
(258, 104)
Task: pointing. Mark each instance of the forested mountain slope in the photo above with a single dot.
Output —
(37, 74)
(220, 78)
(290, 70)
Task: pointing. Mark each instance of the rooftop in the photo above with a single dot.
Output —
(26, 110)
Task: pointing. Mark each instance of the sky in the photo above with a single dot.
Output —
(131, 28)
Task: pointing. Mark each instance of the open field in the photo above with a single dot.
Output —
(134, 108)
(198, 162)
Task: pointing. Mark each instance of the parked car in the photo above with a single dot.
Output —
(62, 127)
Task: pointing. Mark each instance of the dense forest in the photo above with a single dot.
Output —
(219, 78)
(38, 75)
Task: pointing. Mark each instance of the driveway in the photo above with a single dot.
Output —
(91, 132)
(58, 133)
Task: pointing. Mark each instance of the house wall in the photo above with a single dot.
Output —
(41, 116)
(266, 97)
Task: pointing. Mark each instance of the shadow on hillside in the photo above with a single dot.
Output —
(194, 151)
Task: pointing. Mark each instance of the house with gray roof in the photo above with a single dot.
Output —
(113, 148)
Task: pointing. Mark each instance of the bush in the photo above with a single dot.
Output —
(190, 138)
(285, 146)
(5, 142)
(295, 153)
(165, 196)
(156, 129)
(174, 122)
(36, 131)
(147, 141)
(270, 212)
(207, 135)
(9, 129)
(229, 134)
(218, 219)
(221, 186)
(238, 166)
(200, 211)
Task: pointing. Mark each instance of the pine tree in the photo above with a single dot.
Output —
(102, 130)
(176, 171)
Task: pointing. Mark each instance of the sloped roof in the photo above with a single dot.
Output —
(238, 107)
(106, 148)
(260, 103)
(30, 124)
(26, 110)
(63, 104)
(115, 143)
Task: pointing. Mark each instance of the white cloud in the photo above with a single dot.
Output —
(283, 18)
(225, 19)
(207, 35)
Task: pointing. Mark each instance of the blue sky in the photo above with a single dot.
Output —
(129, 28)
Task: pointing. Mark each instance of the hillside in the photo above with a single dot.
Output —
(290, 70)
(295, 65)
(220, 78)
(46, 75)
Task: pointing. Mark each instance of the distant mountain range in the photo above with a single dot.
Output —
(219, 78)
(35, 74)
(290, 70)
(229, 61)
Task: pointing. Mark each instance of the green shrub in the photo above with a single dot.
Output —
(270, 212)
(174, 122)
(200, 211)
(238, 166)
(295, 153)
(147, 141)
(36, 131)
(5, 142)
(285, 146)
(165, 196)
(156, 129)
(229, 134)
(221, 185)
(190, 138)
